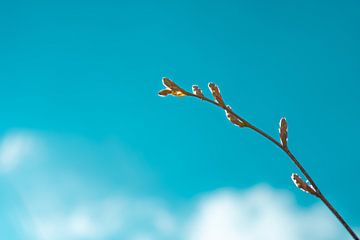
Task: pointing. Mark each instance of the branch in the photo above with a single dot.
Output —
(311, 187)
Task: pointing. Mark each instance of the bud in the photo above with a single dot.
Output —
(232, 118)
(171, 88)
(283, 130)
(302, 185)
(164, 92)
(170, 84)
(215, 91)
(179, 93)
(197, 91)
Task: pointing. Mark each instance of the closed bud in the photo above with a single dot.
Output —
(303, 185)
(171, 88)
(164, 92)
(215, 91)
(170, 84)
(232, 118)
(197, 91)
(283, 130)
(179, 93)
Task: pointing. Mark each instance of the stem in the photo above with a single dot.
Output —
(338, 216)
(302, 169)
(291, 156)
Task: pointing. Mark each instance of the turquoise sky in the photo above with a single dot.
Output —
(83, 77)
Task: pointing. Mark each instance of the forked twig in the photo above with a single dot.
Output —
(311, 188)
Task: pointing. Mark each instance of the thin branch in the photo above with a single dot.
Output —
(175, 90)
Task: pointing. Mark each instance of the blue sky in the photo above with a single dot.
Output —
(80, 111)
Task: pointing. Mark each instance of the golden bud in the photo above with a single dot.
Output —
(171, 88)
(178, 93)
(164, 92)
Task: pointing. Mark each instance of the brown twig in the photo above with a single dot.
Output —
(175, 90)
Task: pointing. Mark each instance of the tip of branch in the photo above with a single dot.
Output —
(171, 89)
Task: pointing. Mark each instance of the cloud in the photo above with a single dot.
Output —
(68, 206)
(83, 221)
(15, 147)
(102, 219)
(259, 213)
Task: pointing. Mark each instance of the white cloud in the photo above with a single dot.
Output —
(15, 147)
(115, 216)
(59, 206)
(254, 214)
(84, 221)
(260, 213)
